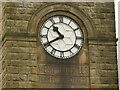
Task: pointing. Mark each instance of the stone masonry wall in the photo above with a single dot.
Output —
(19, 48)
(102, 52)
(1, 8)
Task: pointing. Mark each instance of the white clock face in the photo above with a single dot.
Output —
(61, 37)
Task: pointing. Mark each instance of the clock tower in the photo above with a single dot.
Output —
(59, 45)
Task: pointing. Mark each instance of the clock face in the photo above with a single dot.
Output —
(61, 37)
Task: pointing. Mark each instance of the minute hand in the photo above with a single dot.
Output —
(55, 39)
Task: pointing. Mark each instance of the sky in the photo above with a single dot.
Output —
(117, 18)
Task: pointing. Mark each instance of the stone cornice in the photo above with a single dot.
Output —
(57, 1)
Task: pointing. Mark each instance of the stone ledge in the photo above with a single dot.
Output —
(102, 1)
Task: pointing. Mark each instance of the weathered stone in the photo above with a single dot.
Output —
(33, 70)
(20, 44)
(97, 4)
(10, 23)
(13, 69)
(103, 80)
(0, 81)
(103, 54)
(18, 17)
(22, 50)
(24, 84)
(17, 49)
(103, 66)
(28, 4)
(15, 4)
(9, 9)
(21, 10)
(103, 73)
(102, 48)
(33, 56)
(16, 56)
(107, 60)
(85, 4)
(30, 11)
(23, 77)
(110, 16)
(109, 5)
(32, 77)
(97, 21)
(24, 70)
(15, 63)
(12, 84)
(38, 5)
(107, 22)
(20, 23)
(22, 53)
(31, 63)
(101, 86)
(13, 77)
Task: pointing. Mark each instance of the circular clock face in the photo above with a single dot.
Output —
(61, 37)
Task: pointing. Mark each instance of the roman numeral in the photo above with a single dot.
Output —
(71, 52)
(46, 44)
(53, 52)
(78, 37)
(69, 22)
(52, 20)
(43, 36)
(77, 46)
(61, 19)
(76, 28)
(61, 54)
(45, 27)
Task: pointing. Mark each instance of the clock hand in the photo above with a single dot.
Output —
(55, 29)
(48, 43)
(60, 37)
(55, 39)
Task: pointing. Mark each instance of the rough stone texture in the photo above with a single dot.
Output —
(20, 49)
(1, 45)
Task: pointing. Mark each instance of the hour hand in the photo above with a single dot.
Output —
(55, 29)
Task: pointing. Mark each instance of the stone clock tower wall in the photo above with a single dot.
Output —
(24, 63)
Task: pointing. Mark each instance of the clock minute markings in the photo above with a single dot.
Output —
(76, 28)
(46, 44)
(52, 20)
(61, 19)
(53, 51)
(69, 22)
(78, 37)
(71, 52)
(61, 54)
(76, 46)
(43, 36)
(46, 27)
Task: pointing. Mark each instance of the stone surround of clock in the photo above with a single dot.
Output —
(29, 62)
(60, 69)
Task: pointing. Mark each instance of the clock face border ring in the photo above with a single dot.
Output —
(77, 37)
(67, 14)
